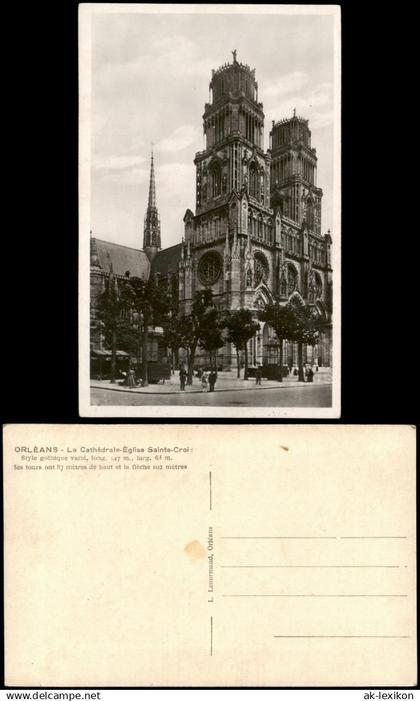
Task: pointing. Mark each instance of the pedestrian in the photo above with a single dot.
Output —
(131, 380)
(258, 375)
(182, 377)
(204, 380)
(212, 380)
(310, 375)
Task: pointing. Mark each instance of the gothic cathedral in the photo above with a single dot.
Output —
(256, 231)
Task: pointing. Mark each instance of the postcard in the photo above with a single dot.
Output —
(210, 210)
(210, 555)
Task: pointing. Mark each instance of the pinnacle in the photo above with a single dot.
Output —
(152, 186)
(151, 237)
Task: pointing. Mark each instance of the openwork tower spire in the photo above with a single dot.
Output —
(151, 238)
(152, 185)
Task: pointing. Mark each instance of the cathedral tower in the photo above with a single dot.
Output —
(293, 173)
(151, 236)
(232, 190)
(233, 162)
(233, 124)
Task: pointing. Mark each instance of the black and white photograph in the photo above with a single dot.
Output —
(210, 245)
(209, 443)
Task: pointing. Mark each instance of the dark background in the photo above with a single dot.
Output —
(40, 266)
(39, 271)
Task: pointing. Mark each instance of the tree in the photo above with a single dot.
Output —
(177, 331)
(128, 336)
(150, 304)
(282, 320)
(306, 327)
(188, 341)
(211, 334)
(96, 336)
(109, 307)
(96, 331)
(193, 326)
(202, 327)
(241, 326)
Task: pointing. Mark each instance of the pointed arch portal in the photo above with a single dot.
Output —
(262, 296)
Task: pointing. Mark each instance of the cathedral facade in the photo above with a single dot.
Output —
(255, 234)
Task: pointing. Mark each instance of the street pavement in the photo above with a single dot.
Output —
(273, 395)
(225, 381)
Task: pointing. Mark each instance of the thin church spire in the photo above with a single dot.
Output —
(152, 184)
(151, 235)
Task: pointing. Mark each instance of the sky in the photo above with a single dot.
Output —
(150, 79)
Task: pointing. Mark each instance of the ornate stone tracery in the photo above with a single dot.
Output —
(318, 286)
(261, 268)
(292, 279)
(210, 268)
(249, 277)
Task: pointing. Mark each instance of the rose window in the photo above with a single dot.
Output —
(209, 268)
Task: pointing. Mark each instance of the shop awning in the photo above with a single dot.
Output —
(108, 353)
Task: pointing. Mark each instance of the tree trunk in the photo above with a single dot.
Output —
(301, 376)
(191, 363)
(246, 361)
(281, 359)
(145, 354)
(138, 351)
(238, 362)
(114, 356)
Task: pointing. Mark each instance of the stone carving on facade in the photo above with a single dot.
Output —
(283, 280)
(292, 279)
(209, 268)
(261, 268)
(250, 217)
(244, 216)
(318, 286)
(249, 277)
(310, 285)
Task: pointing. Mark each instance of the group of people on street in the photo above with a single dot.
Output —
(207, 379)
(308, 372)
(130, 379)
